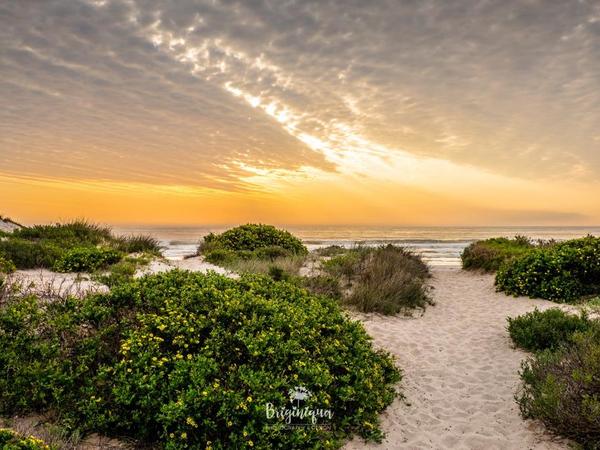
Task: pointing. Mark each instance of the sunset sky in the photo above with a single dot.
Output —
(478, 112)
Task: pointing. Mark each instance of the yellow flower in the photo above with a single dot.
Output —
(249, 399)
(251, 444)
(245, 433)
(184, 435)
(190, 421)
(204, 393)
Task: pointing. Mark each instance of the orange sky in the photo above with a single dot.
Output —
(446, 113)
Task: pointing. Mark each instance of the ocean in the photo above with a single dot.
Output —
(439, 246)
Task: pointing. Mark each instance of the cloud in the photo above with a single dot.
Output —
(208, 93)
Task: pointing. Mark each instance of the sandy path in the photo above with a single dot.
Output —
(460, 371)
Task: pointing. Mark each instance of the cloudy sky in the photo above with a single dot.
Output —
(386, 112)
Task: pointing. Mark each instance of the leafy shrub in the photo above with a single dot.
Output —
(549, 329)
(488, 255)
(563, 272)
(562, 389)
(189, 360)
(119, 273)
(251, 237)
(386, 280)
(30, 254)
(9, 440)
(87, 259)
(6, 265)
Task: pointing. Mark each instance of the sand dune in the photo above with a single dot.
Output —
(460, 371)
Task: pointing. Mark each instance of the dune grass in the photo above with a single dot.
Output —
(73, 246)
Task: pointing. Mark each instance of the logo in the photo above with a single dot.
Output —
(299, 414)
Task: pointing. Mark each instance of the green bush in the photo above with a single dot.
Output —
(549, 329)
(562, 389)
(252, 237)
(189, 360)
(323, 285)
(9, 440)
(386, 280)
(30, 254)
(6, 265)
(488, 255)
(564, 272)
(87, 259)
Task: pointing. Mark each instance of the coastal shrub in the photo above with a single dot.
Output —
(30, 254)
(323, 285)
(10, 440)
(137, 244)
(386, 279)
(87, 259)
(550, 329)
(562, 389)
(6, 265)
(189, 360)
(251, 237)
(488, 255)
(564, 272)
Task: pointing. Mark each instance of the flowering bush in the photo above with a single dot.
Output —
(563, 272)
(190, 360)
(9, 440)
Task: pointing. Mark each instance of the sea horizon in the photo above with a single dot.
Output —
(438, 245)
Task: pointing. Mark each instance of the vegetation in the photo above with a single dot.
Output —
(253, 241)
(490, 254)
(6, 265)
(549, 329)
(189, 360)
(386, 279)
(561, 383)
(9, 440)
(73, 246)
(563, 272)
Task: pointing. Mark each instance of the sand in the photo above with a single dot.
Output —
(460, 371)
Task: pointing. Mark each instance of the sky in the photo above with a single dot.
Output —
(406, 112)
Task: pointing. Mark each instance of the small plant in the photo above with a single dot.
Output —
(562, 389)
(323, 285)
(9, 440)
(488, 255)
(87, 259)
(138, 244)
(6, 265)
(550, 329)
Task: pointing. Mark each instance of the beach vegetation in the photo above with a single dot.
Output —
(386, 280)
(73, 246)
(549, 329)
(264, 241)
(6, 265)
(10, 440)
(563, 272)
(561, 388)
(188, 360)
(488, 255)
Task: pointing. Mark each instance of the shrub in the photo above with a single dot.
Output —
(30, 254)
(251, 237)
(386, 280)
(6, 265)
(562, 389)
(323, 285)
(137, 244)
(188, 360)
(549, 329)
(488, 255)
(87, 259)
(563, 272)
(9, 440)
